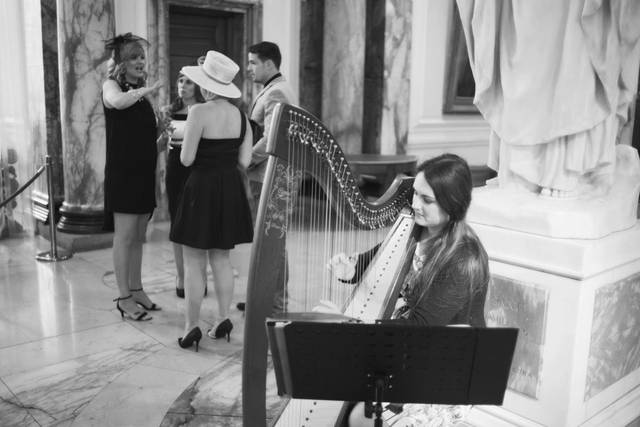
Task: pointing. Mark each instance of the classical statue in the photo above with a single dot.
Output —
(555, 80)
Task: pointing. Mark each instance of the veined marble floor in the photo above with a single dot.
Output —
(68, 359)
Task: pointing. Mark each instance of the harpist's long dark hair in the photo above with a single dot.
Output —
(450, 178)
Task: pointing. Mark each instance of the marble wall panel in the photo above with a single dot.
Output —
(397, 55)
(614, 351)
(82, 28)
(511, 303)
(343, 71)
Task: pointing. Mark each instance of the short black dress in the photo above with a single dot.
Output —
(130, 166)
(177, 173)
(213, 212)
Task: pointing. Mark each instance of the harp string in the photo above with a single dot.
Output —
(315, 231)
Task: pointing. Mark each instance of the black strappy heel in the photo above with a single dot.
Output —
(136, 315)
(180, 292)
(194, 336)
(153, 306)
(223, 329)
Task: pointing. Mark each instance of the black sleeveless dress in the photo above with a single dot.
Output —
(130, 166)
(177, 173)
(213, 212)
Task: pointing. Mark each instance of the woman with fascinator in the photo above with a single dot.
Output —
(213, 213)
(129, 172)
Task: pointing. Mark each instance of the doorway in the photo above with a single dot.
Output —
(193, 31)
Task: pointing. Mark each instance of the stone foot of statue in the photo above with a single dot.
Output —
(558, 194)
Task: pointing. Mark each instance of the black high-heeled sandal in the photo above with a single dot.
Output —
(136, 315)
(153, 306)
(180, 292)
(194, 336)
(224, 328)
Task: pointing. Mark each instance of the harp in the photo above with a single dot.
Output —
(311, 208)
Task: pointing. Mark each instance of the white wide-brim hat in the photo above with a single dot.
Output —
(215, 74)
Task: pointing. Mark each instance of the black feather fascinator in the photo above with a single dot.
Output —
(116, 43)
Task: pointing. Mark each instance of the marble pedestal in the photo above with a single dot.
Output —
(577, 305)
(77, 242)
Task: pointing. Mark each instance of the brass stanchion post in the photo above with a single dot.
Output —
(52, 255)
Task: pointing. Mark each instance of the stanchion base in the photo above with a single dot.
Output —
(48, 256)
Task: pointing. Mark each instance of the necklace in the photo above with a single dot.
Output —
(418, 258)
(131, 86)
(127, 85)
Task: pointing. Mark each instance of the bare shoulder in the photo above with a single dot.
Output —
(111, 84)
(199, 110)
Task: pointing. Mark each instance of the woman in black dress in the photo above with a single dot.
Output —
(129, 172)
(188, 94)
(213, 214)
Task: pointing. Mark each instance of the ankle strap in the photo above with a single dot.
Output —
(136, 290)
(121, 298)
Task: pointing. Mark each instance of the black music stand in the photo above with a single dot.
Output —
(390, 362)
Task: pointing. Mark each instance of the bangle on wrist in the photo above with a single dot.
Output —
(135, 93)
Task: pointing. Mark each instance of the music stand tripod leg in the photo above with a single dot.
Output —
(380, 382)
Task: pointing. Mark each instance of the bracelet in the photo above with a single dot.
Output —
(137, 94)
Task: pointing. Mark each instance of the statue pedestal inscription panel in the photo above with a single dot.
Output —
(576, 303)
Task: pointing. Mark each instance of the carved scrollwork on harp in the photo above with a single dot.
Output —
(281, 199)
(305, 131)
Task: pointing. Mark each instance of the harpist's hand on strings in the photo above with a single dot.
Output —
(343, 266)
(326, 306)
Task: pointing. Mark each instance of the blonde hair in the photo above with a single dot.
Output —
(208, 95)
(116, 68)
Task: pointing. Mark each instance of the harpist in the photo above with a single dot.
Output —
(449, 275)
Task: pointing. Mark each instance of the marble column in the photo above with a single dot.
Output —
(40, 197)
(373, 76)
(343, 76)
(82, 28)
(366, 81)
(158, 69)
(311, 51)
